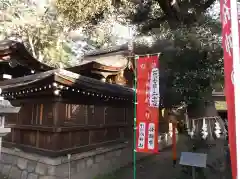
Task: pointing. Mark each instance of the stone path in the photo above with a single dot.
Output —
(161, 167)
(153, 167)
(2, 177)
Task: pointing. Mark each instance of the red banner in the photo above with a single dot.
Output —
(147, 104)
(229, 86)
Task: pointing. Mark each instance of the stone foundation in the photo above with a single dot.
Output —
(16, 164)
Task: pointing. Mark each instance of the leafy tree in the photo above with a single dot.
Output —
(43, 33)
(148, 13)
(49, 37)
(192, 61)
(193, 58)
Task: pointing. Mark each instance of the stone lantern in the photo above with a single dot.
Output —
(5, 108)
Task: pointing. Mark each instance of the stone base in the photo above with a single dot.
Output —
(16, 164)
(4, 131)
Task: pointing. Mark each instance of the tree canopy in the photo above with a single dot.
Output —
(193, 61)
(40, 30)
(185, 32)
(148, 14)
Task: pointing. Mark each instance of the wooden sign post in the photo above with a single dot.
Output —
(5, 108)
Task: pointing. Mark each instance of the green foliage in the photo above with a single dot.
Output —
(81, 12)
(198, 62)
(191, 58)
(193, 62)
(42, 32)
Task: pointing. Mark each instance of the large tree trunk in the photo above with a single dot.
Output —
(203, 109)
(213, 146)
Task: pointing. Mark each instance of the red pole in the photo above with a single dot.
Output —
(174, 144)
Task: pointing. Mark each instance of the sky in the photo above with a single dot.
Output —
(214, 11)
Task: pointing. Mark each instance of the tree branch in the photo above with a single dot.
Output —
(143, 11)
(176, 13)
(153, 24)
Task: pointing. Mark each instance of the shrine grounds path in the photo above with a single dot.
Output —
(2, 177)
(161, 167)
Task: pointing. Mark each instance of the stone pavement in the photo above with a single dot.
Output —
(161, 166)
(153, 167)
(2, 177)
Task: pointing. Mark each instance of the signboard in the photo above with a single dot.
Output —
(193, 159)
(147, 104)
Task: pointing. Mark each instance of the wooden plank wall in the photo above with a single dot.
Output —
(89, 124)
(60, 126)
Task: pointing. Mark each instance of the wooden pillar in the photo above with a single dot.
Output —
(173, 121)
(58, 119)
(58, 113)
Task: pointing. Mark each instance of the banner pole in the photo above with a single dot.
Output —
(236, 73)
(174, 144)
(230, 44)
(135, 119)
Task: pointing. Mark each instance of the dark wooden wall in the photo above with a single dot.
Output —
(57, 129)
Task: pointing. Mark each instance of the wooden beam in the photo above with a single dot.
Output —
(58, 153)
(66, 128)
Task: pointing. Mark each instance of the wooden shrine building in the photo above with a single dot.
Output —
(63, 112)
(84, 112)
(63, 105)
(16, 61)
(111, 66)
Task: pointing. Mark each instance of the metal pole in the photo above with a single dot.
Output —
(2, 121)
(135, 124)
(174, 144)
(193, 173)
(130, 49)
(69, 166)
(0, 147)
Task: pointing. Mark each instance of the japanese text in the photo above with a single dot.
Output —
(141, 137)
(151, 133)
(154, 96)
(228, 44)
(226, 13)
